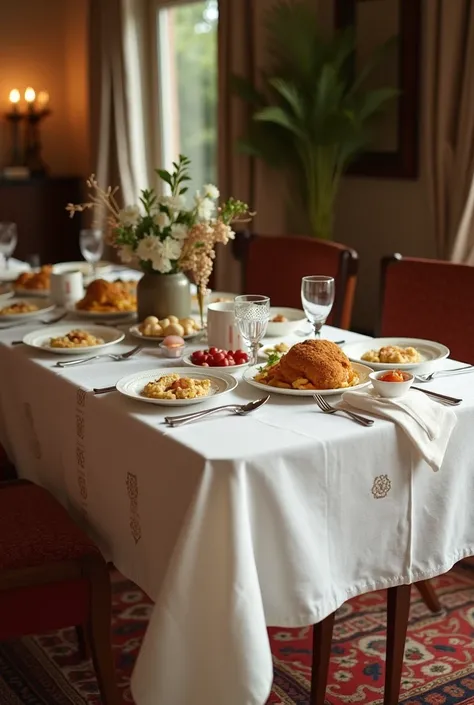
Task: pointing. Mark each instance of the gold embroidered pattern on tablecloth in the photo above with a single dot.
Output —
(80, 448)
(381, 487)
(132, 491)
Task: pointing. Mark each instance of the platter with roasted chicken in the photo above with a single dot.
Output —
(34, 283)
(308, 367)
(107, 300)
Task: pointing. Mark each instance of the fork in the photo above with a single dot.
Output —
(82, 360)
(443, 373)
(443, 398)
(239, 409)
(326, 408)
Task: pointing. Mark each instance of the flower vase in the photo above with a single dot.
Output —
(163, 295)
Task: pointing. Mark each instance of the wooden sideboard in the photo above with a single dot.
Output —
(37, 206)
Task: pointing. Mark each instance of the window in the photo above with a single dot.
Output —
(187, 60)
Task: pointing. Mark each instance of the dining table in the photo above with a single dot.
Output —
(234, 523)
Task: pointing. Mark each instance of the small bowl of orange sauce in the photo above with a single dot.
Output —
(391, 383)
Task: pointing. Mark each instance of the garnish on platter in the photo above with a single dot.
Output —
(279, 349)
(310, 365)
(272, 358)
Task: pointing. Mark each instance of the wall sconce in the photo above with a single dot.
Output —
(29, 158)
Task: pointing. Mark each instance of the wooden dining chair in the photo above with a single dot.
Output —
(430, 299)
(47, 561)
(275, 266)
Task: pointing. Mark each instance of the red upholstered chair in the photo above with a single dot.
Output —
(431, 299)
(275, 266)
(53, 576)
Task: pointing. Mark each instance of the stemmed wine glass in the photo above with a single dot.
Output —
(8, 241)
(252, 313)
(91, 243)
(317, 297)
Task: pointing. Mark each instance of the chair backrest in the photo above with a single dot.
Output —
(275, 266)
(431, 299)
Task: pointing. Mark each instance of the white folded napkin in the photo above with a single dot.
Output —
(427, 423)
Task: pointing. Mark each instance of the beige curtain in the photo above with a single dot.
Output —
(449, 82)
(236, 55)
(121, 97)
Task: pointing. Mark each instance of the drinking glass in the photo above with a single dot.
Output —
(91, 243)
(252, 313)
(8, 241)
(317, 297)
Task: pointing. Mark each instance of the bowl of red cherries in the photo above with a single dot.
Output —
(215, 357)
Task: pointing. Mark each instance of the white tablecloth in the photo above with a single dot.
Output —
(235, 523)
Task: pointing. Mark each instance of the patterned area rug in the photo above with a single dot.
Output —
(439, 658)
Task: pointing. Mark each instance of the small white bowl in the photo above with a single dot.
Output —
(390, 390)
(296, 319)
(171, 351)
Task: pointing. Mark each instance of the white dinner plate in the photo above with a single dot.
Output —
(12, 274)
(430, 352)
(40, 293)
(362, 370)
(295, 320)
(101, 315)
(125, 275)
(84, 267)
(132, 385)
(5, 293)
(40, 339)
(187, 361)
(135, 331)
(44, 306)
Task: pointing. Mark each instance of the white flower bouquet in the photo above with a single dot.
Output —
(162, 234)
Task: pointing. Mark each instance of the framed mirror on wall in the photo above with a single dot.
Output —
(395, 148)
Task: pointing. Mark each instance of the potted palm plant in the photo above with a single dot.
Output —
(311, 114)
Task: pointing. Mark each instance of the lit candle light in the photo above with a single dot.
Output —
(43, 100)
(30, 97)
(14, 99)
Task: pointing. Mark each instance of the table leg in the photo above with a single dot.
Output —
(398, 608)
(322, 639)
(428, 593)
